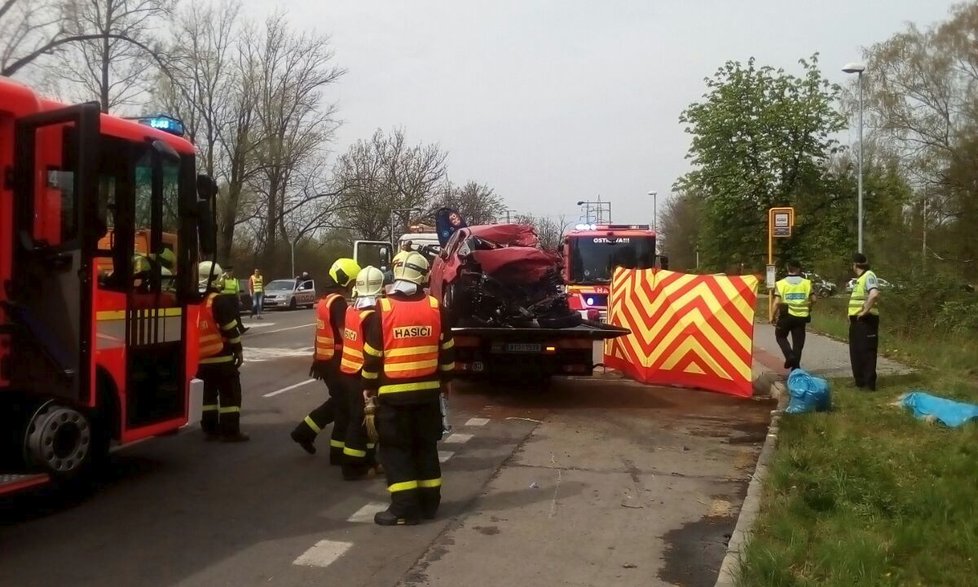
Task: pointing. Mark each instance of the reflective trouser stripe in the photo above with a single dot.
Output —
(354, 452)
(402, 486)
(229, 410)
(213, 360)
(209, 407)
(310, 423)
(429, 483)
(336, 443)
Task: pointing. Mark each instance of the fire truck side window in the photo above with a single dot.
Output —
(60, 193)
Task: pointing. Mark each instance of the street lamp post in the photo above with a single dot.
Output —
(859, 68)
(655, 212)
(292, 250)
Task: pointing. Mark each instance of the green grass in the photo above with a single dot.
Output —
(867, 494)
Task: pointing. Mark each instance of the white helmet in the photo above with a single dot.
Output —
(209, 274)
(414, 269)
(370, 282)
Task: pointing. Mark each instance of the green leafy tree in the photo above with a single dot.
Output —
(761, 138)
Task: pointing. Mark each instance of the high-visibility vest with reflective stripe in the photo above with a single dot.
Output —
(797, 296)
(860, 295)
(231, 286)
(209, 332)
(326, 344)
(352, 360)
(257, 283)
(412, 330)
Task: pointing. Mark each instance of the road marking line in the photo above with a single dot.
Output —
(444, 455)
(289, 328)
(262, 354)
(366, 513)
(323, 553)
(477, 422)
(289, 388)
(457, 438)
(261, 325)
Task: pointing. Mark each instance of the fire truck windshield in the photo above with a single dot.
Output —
(593, 259)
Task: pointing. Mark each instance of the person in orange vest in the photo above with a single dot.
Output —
(359, 455)
(408, 360)
(330, 316)
(220, 357)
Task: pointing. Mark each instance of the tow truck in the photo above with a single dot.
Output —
(496, 336)
(91, 354)
(591, 253)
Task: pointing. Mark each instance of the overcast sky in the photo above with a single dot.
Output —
(551, 102)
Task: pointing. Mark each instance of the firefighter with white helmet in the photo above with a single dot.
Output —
(328, 345)
(359, 455)
(408, 359)
(220, 357)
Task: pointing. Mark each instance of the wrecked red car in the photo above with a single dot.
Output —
(499, 276)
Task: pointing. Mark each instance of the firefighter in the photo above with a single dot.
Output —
(232, 288)
(408, 359)
(330, 315)
(359, 455)
(220, 358)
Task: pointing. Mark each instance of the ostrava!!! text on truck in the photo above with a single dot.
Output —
(95, 347)
(591, 254)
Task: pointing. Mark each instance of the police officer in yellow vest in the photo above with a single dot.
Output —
(793, 301)
(864, 324)
(233, 288)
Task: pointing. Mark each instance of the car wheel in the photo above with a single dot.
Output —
(292, 304)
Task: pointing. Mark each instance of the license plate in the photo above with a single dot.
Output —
(522, 347)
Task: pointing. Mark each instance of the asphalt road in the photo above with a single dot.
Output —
(594, 482)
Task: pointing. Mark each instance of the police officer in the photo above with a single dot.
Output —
(408, 358)
(330, 315)
(864, 324)
(359, 455)
(793, 299)
(219, 359)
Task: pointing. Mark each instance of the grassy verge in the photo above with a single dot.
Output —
(866, 494)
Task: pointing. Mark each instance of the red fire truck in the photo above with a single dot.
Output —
(92, 354)
(591, 253)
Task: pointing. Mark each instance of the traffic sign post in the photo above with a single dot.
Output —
(780, 221)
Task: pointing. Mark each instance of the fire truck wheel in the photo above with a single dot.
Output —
(60, 440)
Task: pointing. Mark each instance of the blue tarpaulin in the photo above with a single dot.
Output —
(948, 412)
(808, 393)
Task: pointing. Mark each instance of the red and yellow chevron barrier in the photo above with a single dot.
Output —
(687, 330)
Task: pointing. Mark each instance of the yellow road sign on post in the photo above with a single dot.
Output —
(780, 221)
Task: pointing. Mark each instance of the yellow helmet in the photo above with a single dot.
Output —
(370, 282)
(209, 274)
(344, 271)
(413, 269)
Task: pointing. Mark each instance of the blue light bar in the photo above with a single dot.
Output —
(165, 123)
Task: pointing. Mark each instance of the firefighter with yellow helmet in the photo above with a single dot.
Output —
(408, 358)
(328, 345)
(219, 358)
(359, 455)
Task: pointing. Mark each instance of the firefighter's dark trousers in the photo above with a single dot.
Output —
(222, 398)
(863, 345)
(409, 437)
(330, 410)
(358, 452)
(794, 326)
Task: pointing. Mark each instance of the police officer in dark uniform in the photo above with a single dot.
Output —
(864, 324)
(408, 360)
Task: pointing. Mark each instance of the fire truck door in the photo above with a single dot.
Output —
(51, 293)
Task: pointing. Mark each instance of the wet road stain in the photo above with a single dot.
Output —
(695, 551)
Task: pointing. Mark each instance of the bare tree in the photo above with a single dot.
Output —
(26, 27)
(291, 71)
(478, 203)
(549, 230)
(383, 174)
(115, 52)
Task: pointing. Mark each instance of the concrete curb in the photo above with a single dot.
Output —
(730, 568)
